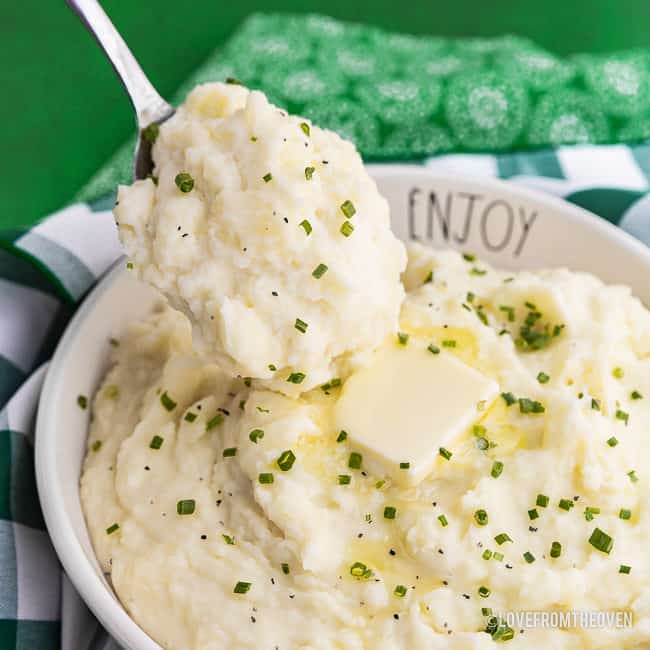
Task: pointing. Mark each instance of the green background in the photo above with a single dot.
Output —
(62, 112)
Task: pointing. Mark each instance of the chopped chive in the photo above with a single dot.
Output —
(342, 436)
(497, 468)
(97, 445)
(300, 325)
(242, 588)
(309, 172)
(272, 367)
(530, 406)
(186, 507)
(129, 265)
(214, 421)
(348, 209)
(632, 476)
(484, 591)
(590, 512)
(565, 504)
(190, 417)
(428, 278)
(402, 338)
(434, 349)
(267, 177)
(556, 550)
(508, 398)
(624, 513)
(285, 568)
(228, 539)
(502, 538)
(360, 570)
(156, 442)
(543, 378)
(449, 343)
(347, 229)
(167, 401)
(286, 460)
(469, 257)
(486, 611)
(319, 271)
(248, 381)
(232, 81)
(443, 520)
(508, 310)
(622, 415)
(355, 460)
(400, 591)
(595, 404)
(296, 377)
(470, 296)
(390, 512)
(617, 373)
(487, 554)
(445, 453)
(497, 556)
(229, 452)
(265, 478)
(306, 226)
(404, 465)
(612, 442)
(305, 128)
(150, 133)
(112, 528)
(624, 568)
(481, 517)
(477, 271)
(82, 401)
(380, 484)
(184, 182)
(529, 557)
(344, 479)
(542, 501)
(255, 435)
(601, 541)
(533, 514)
(636, 395)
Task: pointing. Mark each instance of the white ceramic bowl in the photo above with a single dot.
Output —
(506, 225)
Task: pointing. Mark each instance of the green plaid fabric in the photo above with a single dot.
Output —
(501, 108)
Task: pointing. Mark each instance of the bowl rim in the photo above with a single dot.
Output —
(104, 605)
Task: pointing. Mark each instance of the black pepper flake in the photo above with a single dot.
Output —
(272, 581)
(292, 596)
(396, 617)
(286, 220)
(185, 234)
(326, 162)
(441, 551)
(252, 619)
(204, 537)
(444, 582)
(360, 535)
(532, 529)
(392, 552)
(224, 411)
(178, 228)
(508, 566)
(147, 467)
(466, 596)
(219, 502)
(274, 293)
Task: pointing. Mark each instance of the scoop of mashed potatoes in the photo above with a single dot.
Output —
(267, 232)
(228, 515)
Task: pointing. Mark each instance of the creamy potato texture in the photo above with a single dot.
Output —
(228, 515)
(277, 244)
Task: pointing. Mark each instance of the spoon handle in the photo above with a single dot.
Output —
(148, 104)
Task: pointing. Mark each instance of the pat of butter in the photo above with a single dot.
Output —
(409, 402)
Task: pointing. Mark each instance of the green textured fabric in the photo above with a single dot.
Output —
(402, 97)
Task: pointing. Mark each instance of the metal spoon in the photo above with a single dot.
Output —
(150, 107)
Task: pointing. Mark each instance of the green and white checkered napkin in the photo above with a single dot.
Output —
(467, 106)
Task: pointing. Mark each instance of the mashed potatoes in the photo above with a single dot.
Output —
(268, 233)
(228, 515)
